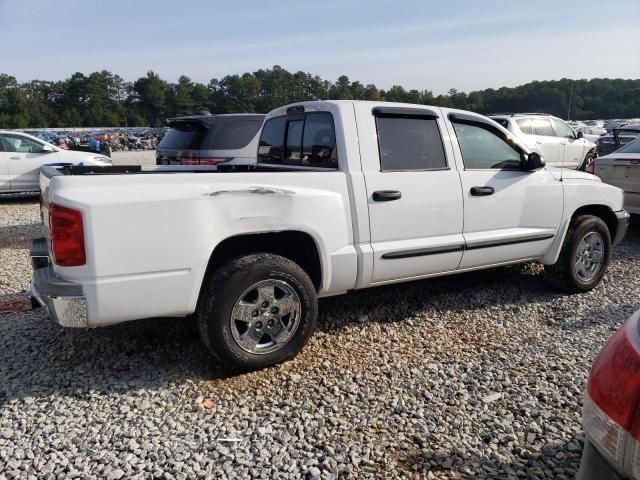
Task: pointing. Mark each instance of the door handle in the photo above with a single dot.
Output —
(15, 157)
(539, 142)
(482, 191)
(386, 195)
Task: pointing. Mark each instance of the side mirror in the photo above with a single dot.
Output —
(534, 161)
(580, 135)
(48, 149)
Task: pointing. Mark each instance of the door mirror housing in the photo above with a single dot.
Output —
(47, 148)
(533, 161)
(580, 135)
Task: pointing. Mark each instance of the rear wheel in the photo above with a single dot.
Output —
(584, 256)
(256, 311)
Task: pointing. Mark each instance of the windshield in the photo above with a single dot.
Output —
(633, 147)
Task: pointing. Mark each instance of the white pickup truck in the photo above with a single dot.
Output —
(345, 195)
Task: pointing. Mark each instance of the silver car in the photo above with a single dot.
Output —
(211, 140)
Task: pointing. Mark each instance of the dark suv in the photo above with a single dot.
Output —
(211, 140)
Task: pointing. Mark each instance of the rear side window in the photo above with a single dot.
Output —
(306, 140)
(410, 144)
(184, 136)
(542, 126)
(525, 125)
(233, 133)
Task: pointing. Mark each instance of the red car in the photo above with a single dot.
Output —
(611, 413)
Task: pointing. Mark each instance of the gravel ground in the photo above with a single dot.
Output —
(473, 376)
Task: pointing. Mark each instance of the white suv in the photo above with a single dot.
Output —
(551, 137)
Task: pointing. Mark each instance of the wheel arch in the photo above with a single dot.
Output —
(296, 245)
(604, 212)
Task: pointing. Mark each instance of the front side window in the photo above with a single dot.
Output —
(542, 126)
(410, 144)
(483, 149)
(19, 144)
(307, 140)
(562, 129)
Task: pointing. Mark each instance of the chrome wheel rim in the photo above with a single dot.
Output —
(265, 317)
(589, 256)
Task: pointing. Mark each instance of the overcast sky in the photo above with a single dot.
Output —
(422, 44)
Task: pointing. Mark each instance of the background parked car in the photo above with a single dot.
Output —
(610, 417)
(22, 155)
(551, 137)
(210, 140)
(622, 169)
(619, 137)
(590, 133)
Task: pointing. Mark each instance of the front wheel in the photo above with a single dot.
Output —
(584, 257)
(257, 311)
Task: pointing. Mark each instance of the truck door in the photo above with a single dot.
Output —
(414, 192)
(574, 149)
(510, 214)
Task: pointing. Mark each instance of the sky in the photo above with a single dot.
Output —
(419, 44)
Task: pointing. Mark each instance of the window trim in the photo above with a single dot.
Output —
(407, 113)
(480, 123)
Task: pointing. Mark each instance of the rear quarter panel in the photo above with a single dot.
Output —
(149, 237)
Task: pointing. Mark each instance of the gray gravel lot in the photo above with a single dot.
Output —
(473, 376)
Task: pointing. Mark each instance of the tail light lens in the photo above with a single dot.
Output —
(591, 167)
(611, 414)
(66, 232)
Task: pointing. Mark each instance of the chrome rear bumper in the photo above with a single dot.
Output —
(64, 300)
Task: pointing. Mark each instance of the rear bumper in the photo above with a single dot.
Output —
(594, 466)
(63, 300)
(622, 218)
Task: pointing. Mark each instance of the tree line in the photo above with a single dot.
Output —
(106, 99)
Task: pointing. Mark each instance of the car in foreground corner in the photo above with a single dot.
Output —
(22, 155)
(611, 415)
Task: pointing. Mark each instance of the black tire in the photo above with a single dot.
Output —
(587, 160)
(563, 275)
(224, 288)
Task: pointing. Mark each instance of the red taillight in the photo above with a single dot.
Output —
(611, 413)
(202, 161)
(591, 167)
(67, 236)
(614, 382)
(212, 161)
